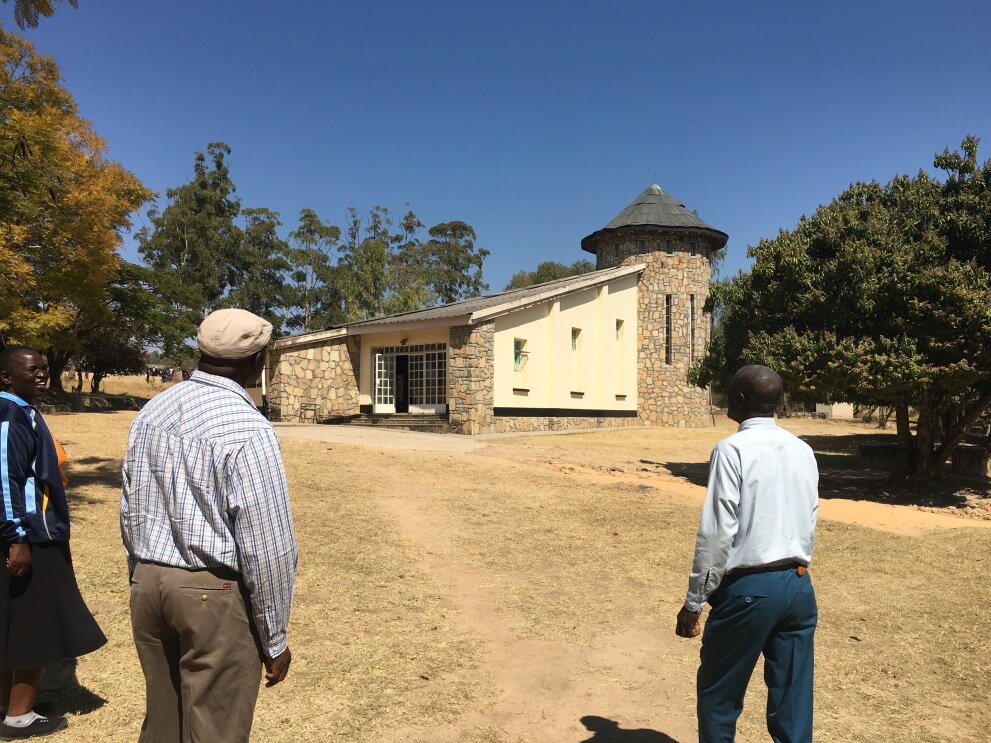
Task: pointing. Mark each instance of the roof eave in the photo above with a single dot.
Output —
(304, 339)
(372, 327)
(588, 242)
(490, 313)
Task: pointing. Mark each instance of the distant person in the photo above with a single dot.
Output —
(43, 619)
(205, 520)
(752, 553)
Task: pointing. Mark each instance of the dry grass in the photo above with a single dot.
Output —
(496, 597)
(131, 384)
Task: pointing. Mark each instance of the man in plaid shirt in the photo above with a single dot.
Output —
(206, 523)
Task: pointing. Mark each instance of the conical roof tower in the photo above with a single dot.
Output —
(655, 209)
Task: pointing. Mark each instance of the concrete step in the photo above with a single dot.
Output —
(400, 421)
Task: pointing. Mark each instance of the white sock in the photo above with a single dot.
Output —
(21, 721)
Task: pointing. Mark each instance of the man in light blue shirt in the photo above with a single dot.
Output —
(752, 553)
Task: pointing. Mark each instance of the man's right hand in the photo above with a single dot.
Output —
(276, 668)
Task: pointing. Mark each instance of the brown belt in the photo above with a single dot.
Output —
(797, 567)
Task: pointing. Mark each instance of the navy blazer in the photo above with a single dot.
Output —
(34, 503)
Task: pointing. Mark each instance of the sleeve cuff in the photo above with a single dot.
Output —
(694, 604)
(276, 647)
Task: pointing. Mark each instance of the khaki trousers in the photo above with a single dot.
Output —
(199, 653)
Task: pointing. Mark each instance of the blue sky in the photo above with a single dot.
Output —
(535, 122)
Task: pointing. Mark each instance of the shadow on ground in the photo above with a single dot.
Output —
(60, 691)
(605, 730)
(841, 477)
(104, 471)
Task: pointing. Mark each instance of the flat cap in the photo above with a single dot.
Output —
(233, 334)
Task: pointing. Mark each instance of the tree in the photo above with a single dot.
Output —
(311, 299)
(362, 269)
(882, 297)
(258, 268)
(381, 272)
(549, 271)
(454, 264)
(63, 207)
(192, 245)
(27, 13)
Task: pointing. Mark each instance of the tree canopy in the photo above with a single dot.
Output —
(881, 297)
(63, 207)
(27, 13)
(549, 271)
(204, 251)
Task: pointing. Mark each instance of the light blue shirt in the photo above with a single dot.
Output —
(204, 486)
(760, 507)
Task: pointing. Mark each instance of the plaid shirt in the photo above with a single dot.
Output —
(204, 487)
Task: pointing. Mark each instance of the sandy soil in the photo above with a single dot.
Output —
(523, 590)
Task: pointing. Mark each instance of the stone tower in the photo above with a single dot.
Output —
(657, 231)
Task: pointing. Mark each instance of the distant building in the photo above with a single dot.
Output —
(607, 348)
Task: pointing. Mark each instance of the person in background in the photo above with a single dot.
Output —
(752, 552)
(205, 519)
(43, 618)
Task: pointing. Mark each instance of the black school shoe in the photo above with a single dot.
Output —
(40, 726)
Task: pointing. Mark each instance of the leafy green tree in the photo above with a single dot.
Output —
(258, 268)
(382, 272)
(408, 280)
(454, 263)
(312, 301)
(192, 245)
(881, 297)
(362, 269)
(27, 13)
(549, 271)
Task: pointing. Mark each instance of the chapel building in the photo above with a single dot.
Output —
(607, 348)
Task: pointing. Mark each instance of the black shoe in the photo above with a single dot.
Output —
(40, 726)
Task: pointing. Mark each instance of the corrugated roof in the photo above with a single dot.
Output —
(512, 299)
(655, 208)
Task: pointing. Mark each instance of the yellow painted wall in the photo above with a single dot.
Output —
(600, 369)
(380, 340)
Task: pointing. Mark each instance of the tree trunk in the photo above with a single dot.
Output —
(923, 465)
(963, 424)
(903, 425)
(57, 361)
(94, 385)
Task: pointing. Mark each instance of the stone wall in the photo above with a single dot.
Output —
(664, 396)
(471, 378)
(323, 375)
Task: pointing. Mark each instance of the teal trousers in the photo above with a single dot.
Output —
(773, 614)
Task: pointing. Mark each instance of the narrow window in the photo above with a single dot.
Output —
(669, 246)
(620, 357)
(667, 329)
(519, 354)
(576, 334)
(692, 335)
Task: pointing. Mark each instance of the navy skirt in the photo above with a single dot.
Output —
(43, 618)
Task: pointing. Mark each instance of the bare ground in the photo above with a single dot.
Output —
(503, 590)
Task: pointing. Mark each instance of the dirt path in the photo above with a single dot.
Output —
(544, 689)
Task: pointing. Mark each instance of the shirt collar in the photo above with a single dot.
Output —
(757, 423)
(216, 381)
(15, 399)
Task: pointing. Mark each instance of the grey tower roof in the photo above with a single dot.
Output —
(654, 208)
